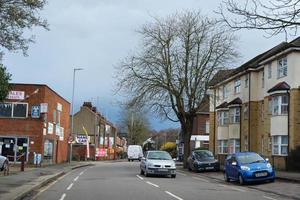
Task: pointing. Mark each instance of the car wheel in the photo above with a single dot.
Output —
(189, 168)
(142, 172)
(145, 173)
(241, 180)
(173, 176)
(226, 178)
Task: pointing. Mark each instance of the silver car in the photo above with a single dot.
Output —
(158, 163)
(3, 162)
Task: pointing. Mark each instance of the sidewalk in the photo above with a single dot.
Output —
(19, 184)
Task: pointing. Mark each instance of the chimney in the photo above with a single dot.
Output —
(88, 104)
(94, 109)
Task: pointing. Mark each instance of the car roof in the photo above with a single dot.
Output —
(244, 153)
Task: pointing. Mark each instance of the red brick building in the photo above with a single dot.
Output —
(34, 119)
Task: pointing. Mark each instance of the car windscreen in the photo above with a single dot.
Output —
(159, 155)
(250, 158)
(204, 155)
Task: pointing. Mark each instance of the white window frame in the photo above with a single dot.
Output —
(225, 91)
(222, 146)
(282, 67)
(279, 145)
(12, 109)
(269, 71)
(234, 146)
(235, 115)
(237, 86)
(278, 105)
(223, 118)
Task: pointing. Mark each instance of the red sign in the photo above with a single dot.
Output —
(101, 152)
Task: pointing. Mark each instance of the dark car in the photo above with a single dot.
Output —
(3, 162)
(202, 160)
(248, 167)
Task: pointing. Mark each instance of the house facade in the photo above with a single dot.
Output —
(34, 119)
(256, 107)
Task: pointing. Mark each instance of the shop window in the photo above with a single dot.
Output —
(48, 151)
(280, 145)
(13, 110)
(234, 115)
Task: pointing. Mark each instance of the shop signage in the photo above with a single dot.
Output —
(44, 107)
(16, 95)
(35, 112)
(81, 139)
(101, 152)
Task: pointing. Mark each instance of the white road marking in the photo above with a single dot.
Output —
(183, 174)
(152, 184)
(140, 177)
(201, 179)
(81, 173)
(269, 198)
(173, 195)
(233, 188)
(75, 179)
(70, 186)
(62, 196)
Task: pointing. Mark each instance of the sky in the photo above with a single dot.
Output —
(97, 35)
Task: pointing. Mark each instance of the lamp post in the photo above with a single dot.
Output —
(72, 111)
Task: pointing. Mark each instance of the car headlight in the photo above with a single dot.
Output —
(245, 168)
(173, 164)
(269, 165)
(150, 165)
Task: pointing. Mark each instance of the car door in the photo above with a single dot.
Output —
(228, 167)
(234, 168)
(143, 162)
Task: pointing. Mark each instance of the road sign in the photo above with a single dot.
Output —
(35, 111)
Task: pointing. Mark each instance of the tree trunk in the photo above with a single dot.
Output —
(186, 133)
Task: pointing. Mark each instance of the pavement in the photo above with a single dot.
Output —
(18, 185)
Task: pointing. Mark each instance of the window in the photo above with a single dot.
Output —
(234, 115)
(207, 127)
(246, 80)
(280, 105)
(237, 86)
(234, 145)
(223, 118)
(13, 110)
(270, 70)
(58, 117)
(263, 79)
(222, 146)
(225, 92)
(246, 112)
(54, 116)
(279, 145)
(282, 67)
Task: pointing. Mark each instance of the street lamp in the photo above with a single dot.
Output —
(72, 111)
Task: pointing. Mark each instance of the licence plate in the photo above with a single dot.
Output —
(261, 174)
(162, 170)
(209, 167)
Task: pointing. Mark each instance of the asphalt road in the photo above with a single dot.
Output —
(121, 180)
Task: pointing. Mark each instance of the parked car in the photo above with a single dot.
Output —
(158, 163)
(248, 167)
(202, 160)
(134, 152)
(3, 162)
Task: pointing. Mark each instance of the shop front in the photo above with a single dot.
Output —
(13, 147)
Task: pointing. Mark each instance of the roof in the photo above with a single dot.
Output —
(204, 105)
(235, 101)
(223, 105)
(40, 85)
(282, 86)
(254, 62)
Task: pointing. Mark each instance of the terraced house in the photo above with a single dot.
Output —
(256, 107)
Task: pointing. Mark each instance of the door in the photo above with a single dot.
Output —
(8, 148)
(234, 168)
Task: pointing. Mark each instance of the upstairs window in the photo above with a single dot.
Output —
(270, 71)
(263, 79)
(13, 110)
(246, 80)
(280, 105)
(225, 92)
(235, 115)
(282, 67)
(237, 86)
(223, 118)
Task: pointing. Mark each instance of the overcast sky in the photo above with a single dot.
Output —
(96, 35)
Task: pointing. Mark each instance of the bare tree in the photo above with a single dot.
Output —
(274, 16)
(178, 56)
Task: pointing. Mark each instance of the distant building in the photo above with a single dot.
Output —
(34, 119)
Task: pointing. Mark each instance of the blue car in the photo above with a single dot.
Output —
(248, 167)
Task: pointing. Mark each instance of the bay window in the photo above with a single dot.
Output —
(234, 145)
(234, 115)
(280, 145)
(280, 105)
(222, 146)
(223, 118)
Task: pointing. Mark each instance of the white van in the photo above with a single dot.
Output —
(134, 152)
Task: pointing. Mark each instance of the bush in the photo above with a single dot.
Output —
(294, 159)
(171, 148)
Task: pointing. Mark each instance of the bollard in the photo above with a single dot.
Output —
(22, 163)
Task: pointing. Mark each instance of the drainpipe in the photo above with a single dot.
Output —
(288, 132)
(214, 150)
(240, 128)
(249, 106)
